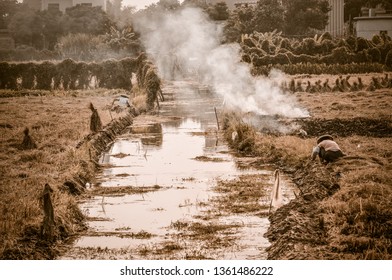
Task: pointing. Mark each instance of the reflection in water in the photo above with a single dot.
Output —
(150, 134)
(146, 129)
(163, 153)
(182, 142)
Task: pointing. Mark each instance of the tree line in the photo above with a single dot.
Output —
(112, 30)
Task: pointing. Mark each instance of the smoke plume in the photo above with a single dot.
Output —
(188, 43)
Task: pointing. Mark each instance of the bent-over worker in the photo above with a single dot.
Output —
(327, 149)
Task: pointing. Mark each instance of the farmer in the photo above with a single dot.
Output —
(327, 149)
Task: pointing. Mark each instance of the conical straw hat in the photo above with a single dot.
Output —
(324, 137)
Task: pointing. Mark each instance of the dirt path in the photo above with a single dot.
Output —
(170, 189)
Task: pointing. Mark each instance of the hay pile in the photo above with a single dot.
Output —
(28, 143)
(95, 120)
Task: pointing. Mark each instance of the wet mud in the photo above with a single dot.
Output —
(369, 127)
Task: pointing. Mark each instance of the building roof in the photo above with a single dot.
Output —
(374, 18)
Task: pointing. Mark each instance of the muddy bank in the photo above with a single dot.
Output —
(343, 208)
(342, 212)
(380, 127)
(96, 143)
(370, 127)
(297, 229)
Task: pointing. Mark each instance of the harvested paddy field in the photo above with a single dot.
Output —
(336, 211)
(57, 123)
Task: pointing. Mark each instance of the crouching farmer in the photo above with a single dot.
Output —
(327, 149)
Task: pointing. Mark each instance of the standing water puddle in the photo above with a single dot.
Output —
(172, 163)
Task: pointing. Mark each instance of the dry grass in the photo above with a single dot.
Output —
(287, 150)
(243, 194)
(356, 217)
(359, 216)
(345, 105)
(140, 102)
(57, 122)
(212, 234)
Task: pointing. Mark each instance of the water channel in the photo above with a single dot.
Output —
(178, 156)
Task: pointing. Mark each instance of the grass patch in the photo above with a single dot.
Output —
(210, 159)
(242, 195)
(117, 191)
(120, 155)
(359, 215)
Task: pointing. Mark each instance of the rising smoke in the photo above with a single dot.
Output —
(186, 42)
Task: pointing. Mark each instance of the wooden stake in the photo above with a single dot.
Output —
(216, 116)
(47, 230)
(160, 94)
(275, 191)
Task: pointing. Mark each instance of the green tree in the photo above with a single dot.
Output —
(86, 19)
(195, 3)
(26, 28)
(240, 22)
(219, 11)
(121, 16)
(301, 16)
(8, 9)
(156, 10)
(168, 5)
(123, 40)
(268, 16)
(51, 28)
(126, 17)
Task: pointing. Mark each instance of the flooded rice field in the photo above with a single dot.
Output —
(168, 190)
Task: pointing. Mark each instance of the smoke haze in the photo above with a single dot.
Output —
(186, 42)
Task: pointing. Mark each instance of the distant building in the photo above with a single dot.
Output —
(62, 5)
(335, 24)
(373, 22)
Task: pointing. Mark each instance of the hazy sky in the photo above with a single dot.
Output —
(139, 4)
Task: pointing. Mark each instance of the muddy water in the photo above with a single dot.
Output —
(173, 162)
